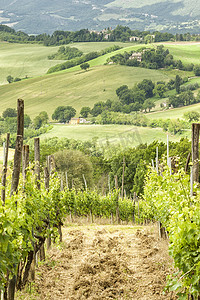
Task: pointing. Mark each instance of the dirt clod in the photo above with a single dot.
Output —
(101, 263)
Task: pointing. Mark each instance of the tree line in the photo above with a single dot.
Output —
(153, 59)
(120, 33)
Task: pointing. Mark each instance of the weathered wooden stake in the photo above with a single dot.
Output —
(116, 182)
(67, 185)
(122, 192)
(46, 178)
(117, 208)
(4, 171)
(195, 150)
(37, 161)
(18, 147)
(25, 160)
(157, 160)
(85, 182)
(109, 183)
(16, 174)
(152, 162)
(191, 181)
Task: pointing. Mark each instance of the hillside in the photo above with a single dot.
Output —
(47, 16)
(78, 88)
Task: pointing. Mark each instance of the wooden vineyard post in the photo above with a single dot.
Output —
(4, 172)
(85, 182)
(67, 185)
(122, 193)
(195, 151)
(37, 161)
(16, 174)
(18, 147)
(37, 181)
(46, 178)
(117, 206)
(25, 160)
(46, 181)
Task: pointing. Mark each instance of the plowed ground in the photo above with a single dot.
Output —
(104, 262)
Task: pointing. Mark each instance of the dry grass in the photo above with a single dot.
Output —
(104, 262)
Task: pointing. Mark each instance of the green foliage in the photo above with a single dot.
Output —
(82, 60)
(84, 66)
(197, 70)
(66, 53)
(160, 89)
(192, 116)
(85, 110)
(63, 113)
(9, 113)
(9, 78)
(167, 199)
(44, 117)
(177, 83)
(77, 165)
(148, 104)
(37, 122)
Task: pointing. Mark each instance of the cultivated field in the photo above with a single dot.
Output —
(74, 86)
(21, 60)
(103, 262)
(108, 135)
(79, 88)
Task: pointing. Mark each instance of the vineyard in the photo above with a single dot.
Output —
(36, 203)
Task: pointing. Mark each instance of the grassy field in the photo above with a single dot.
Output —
(21, 60)
(174, 113)
(187, 53)
(79, 88)
(74, 86)
(123, 135)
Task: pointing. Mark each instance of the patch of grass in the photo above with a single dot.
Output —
(174, 113)
(110, 135)
(78, 89)
(21, 60)
(187, 53)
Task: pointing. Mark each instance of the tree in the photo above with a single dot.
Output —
(9, 113)
(196, 70)
(97, 109)
(178, 83)
(192, 116)
(27, 121)
(85, 110)
(37, 122)
(121, 90)
(9, 79)
(160, 89)
(148, 104)
(63, 113)
(44, 116)
(147, 85)
(76, 164)
(85, 66)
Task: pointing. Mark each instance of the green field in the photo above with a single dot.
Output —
(79, 88)
(187, 53)
(123, 135)
(21, 60)
(74, 86)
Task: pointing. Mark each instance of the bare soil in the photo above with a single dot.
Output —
(104, 262)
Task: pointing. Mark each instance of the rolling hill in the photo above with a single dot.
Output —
(74, 86)
(47, 16)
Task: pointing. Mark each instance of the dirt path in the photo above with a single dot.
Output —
(104, 262)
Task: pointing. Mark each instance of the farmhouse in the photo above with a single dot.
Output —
(76, 121)
(136, 55)
(134, 39)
